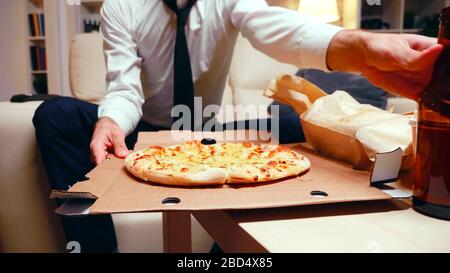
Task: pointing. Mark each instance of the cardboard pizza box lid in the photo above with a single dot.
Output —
(113, 190)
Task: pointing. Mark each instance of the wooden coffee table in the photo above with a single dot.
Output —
(376, 226)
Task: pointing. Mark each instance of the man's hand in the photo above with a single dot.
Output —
(107, 137)
(400, 64)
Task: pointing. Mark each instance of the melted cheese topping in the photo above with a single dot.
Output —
(239, 159)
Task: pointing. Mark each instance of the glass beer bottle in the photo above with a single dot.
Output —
(432, 169)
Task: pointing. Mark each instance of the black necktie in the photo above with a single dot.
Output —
(183, 82)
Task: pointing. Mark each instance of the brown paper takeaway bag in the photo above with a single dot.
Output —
(300, 94)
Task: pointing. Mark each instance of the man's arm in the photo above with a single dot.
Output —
(121, 109)
(400, 64)
(283, 34)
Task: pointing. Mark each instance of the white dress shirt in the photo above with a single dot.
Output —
(140, 35)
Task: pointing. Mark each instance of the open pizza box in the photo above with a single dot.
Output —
(300, 94)
(109, 187)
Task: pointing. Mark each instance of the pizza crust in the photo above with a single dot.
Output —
(214, 176)
(210, 176)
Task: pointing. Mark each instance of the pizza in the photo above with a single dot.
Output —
(196, 164)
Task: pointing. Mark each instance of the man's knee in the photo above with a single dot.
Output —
(53, 111)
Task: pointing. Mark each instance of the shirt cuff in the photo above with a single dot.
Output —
(317, 42)
(119, 117)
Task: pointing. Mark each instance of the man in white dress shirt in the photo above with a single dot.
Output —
(150, 36)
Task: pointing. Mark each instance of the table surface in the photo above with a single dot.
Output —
(376, 226)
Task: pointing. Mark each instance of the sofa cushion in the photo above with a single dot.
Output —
(245, 97)
(87, 67)
(252, 69)
(250, 73)
(225, 116)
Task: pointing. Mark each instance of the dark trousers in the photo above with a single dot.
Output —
(64, 127)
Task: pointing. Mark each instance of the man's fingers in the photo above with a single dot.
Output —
(98, 151)
(120, 149)
(406, 84)
(412, 59)
(425, 59)
(419, 42)
(107, 136)
(108, 144)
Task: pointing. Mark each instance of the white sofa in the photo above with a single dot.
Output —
(27, 221)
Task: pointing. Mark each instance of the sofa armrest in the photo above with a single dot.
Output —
(27, 221)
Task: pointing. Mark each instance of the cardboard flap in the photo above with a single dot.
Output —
(386, 170)
(75, 207)
(295, 91)
(96, 183)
